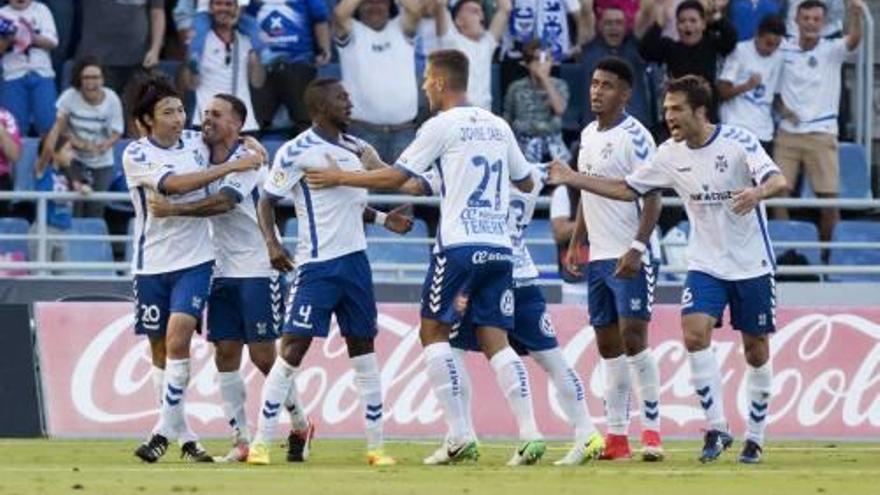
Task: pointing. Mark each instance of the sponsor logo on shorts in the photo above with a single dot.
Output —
(547, 325)
(196, 302)
(635, 304)
(507, 303)
(483, 257)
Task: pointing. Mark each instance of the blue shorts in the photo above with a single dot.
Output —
(476, 279)
(532, 328)
(752, 301)
(159, 295)
(245, 309)
(610, 298)
(342, 286)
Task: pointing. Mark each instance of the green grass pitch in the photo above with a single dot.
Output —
(338, 467)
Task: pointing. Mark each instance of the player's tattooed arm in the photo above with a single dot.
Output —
(630, 263)
(395, 220)
(745, 200)
(215, 204)
(278, 256)
(561, 173)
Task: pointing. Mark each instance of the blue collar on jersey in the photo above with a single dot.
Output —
(156, 144)
(231, 152)
(334, 141)
(708, 141)
(619, 121)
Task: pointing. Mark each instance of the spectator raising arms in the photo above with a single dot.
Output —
(297, 38)
(28, 78)
(534, 106)
(469, 35)
(746, 15)
(749, 81)
(809, 98)
(377, 56)
(226, 63)
(125, 35)
(90, 117)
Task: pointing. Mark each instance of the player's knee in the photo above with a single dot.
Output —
(359, 347)
(757, 351)
(431, 332)
(294, 349)
(263, 362)
(157, 351)
(635, 338)
(695, 340)
(609, 342)
(226, 357)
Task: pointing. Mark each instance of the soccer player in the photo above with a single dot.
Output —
(173, 257)
(532, 332)
(723, 174)
(245, 304)
(619, 275)
(333, 275)
(476, 156)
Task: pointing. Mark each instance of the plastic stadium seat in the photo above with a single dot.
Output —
(398, 252)
(332, 70)
(791, 231)
(90, 251)
(291, 229)
(14, 226)
(272, 146)
(118, 148)
(573, 75)
(497, 97)
(542, 253)
(24, 167)
(855, 231)
(853, 174)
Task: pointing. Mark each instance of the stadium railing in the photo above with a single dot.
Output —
(42, 267)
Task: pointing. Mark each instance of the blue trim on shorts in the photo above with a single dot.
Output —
(310, 212)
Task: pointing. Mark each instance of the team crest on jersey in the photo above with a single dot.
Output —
(200, 160)
(607, 151)
(279, 178)
(547, 326)
(507, 303)
(721, 164)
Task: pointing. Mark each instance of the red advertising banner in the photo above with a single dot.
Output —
(96, 382)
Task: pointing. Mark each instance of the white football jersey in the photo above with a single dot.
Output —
(476, 156)
(238, 242)
(722, 244)
(810, 84)
(751, 110)
(617, 152)
(522, 209)
(330, 222)
(163, 245)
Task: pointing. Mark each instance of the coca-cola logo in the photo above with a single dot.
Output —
(827, 376)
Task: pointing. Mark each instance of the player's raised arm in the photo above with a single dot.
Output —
(385, 179)
(560, 173)
(184, 183)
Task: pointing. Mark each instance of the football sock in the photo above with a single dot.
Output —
(707, 382)
(276, 389)
(445, 379)
(298, 419)
(466, 391)
(647, 376)
(171, 418)
(760, 387)
(617, 390)
(369, 384)
(569, 391)
(232, 393)
(513, 379)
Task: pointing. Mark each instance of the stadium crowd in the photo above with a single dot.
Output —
(776, 66)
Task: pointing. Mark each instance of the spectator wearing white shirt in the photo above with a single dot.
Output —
(90, 117)
(749, 80)
(469, 35)
(809, 99)
(378, 62)
(28, 78)
(227, 64)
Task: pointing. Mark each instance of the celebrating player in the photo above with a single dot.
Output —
(477, 156)
(620, 275)
(532, 332)
(723, 174)
(173, 257)
(333, 276)
(245, 305)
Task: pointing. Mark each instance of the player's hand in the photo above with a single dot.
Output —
(558, 172)
(571, 262)
(629, 264)
(397, 222)
(160, 207)
(247, 163)
(370, 158)
(323, 178)
(754, 81)
(280, 258)
(322, 58)
(254, 145)
(746, 200)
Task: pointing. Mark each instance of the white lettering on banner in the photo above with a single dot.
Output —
(827, 375)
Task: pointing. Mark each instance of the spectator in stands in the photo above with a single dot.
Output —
(705, 38)
(225, 63)
(10, 152)
(612, 38)
(534, 106)
(809, 97)
(746, 15)
(835, 12)
(55, 174)
(377, 57)
(546, 21)
(749, 80)
(297, 38)
(469, 35)
(63, 12)
(125, 35)
(89, 117)
(629, 8)
(28, 78)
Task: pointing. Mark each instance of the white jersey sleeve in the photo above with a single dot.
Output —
(761, 166)
(560, 206)
(430, 143)
(239, 185)
(730, 68)
(284, 173)
(654, 175)
(141, 171)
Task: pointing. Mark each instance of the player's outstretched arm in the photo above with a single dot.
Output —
(560, 173)
(215, 204)
(278, 256)
(385, 179)
(630, 263)
(746, 200)
(395, 220)
(184, 183)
